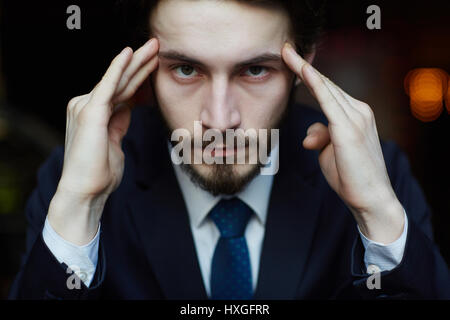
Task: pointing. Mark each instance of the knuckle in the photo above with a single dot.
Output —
(72, 103)
(76, 110)
(366, 110)
(361, 122)
(82, 117)
(125, 78)
(357, 137)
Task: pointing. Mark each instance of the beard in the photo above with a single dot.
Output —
(223, 178)
(226, 179)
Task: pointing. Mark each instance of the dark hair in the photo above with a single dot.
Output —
(306, 17)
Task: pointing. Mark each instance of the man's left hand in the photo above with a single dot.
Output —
(350, 156)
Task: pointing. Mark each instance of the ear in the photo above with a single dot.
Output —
(309, 58)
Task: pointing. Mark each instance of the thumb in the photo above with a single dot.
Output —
(317, 137)
(120, 121)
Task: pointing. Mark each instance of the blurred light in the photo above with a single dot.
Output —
(426, 88)
(447, 96)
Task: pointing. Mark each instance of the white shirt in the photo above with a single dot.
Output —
(205, 233)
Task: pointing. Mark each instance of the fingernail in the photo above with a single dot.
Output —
(289, 47)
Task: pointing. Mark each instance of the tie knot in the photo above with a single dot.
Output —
(231, 217)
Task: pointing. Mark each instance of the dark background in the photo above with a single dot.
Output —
(43, 65)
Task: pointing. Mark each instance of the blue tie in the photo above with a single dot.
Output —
(231, 275)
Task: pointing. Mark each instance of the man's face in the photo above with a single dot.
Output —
(220, 63)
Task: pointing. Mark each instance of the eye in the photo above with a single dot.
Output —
(185, 71)
(256, 71)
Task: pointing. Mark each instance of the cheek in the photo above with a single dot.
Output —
(263, 106)
(178, 106)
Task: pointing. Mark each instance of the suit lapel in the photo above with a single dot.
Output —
(161, 218)
(163, 225)
(290, 226)
(292, 214)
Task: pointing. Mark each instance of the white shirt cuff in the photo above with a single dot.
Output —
(80, 259)
(383, 257)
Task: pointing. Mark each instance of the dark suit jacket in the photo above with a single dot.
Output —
(311, 247)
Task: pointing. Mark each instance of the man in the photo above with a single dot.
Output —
(112, 206)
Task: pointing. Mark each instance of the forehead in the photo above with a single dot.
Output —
(212, 30)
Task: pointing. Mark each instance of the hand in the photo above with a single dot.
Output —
(350, 155)
(93, 157)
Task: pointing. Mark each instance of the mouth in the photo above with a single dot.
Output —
(224, 151)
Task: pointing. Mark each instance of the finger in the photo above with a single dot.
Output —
(122, 105)
(330, 105)
(338, 94)
(354, 108)
(318, 137)
(120, 121)
(294, 61)
(349, 98)
(315, 84)
(140, 59)
(137, 80)
(105, 89)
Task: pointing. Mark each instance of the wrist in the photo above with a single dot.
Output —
(385, 224)
(75, 217)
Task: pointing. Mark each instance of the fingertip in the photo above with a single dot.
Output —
(293, 60)
(287, 46)
(126, 55)
(152, 43)
(289, 50)
(126, 50)
(155, 40)
(308, 142)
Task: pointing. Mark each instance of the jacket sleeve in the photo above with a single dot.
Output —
(422, 272)
(41, 276)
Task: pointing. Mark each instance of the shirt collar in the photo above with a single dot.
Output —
(199, 202)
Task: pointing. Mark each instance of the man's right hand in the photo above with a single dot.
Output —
(93, 156)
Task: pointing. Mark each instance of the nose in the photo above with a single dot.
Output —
(220, 110)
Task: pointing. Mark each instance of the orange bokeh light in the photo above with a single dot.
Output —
(427, 88)
(447, 97)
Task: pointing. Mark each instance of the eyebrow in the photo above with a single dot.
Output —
(265, 57)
